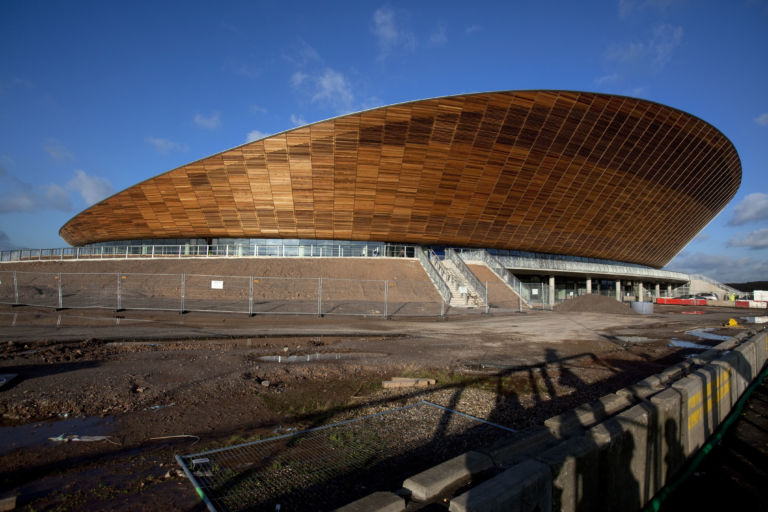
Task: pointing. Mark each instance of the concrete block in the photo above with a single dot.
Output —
(761, 345)
(526, 487)
(629, 476)
(8, 503)
(523, 445)
(747, 351)
(586, 415)
(675, 371)
(376, 502)
(704, 403)
(671, 425)
(643, 389)
(576, 479)
(432, 482)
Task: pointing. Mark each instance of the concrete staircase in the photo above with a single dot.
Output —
(463, 295)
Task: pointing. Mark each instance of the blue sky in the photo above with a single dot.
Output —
(97, 96)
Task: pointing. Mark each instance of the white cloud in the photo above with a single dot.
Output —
(654, 53)
(438, 37)
(298, 78)
(757, 239)
(472, 29)
(19, 196)
(754, 207)
(388, 34)
(91, 188)
(166, 146)
(722, 267)
(606, 79)
(298, 120)
(256, 109)
(333, 88)
(255, 135)
(57, 150)
(208, 122)
(762, 119)
(701, 237)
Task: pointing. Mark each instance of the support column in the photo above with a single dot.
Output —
(618, 290)
(589, 285)
(669, 290)
(658, 290)
(640, 291)
(551, 290)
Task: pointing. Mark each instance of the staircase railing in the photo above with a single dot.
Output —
(472, 280)
(434, 275)
(507, 277)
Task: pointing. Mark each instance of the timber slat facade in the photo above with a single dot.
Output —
(560, 172)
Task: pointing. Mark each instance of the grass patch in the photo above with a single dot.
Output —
(321, 398)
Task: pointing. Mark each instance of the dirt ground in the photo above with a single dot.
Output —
(159, 384)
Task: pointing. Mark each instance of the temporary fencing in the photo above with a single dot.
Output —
(254, 295)
(326, 467)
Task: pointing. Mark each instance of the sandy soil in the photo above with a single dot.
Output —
(159, 383)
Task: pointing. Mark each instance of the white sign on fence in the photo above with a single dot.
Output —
(217, 285)
(534, 291)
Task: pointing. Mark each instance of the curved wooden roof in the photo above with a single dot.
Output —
(561, 172)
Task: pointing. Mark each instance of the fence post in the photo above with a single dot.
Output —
(250, 299)
(319, 296)
(15, 289)
(386, 298)
(119, 300)
(183, 286)
(60, 294)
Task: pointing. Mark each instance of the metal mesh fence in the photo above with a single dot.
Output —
(217, 293)
(38, 288)
(89, 290)
(283, 295)
(151, 291)
(254, 295)
(327, 467)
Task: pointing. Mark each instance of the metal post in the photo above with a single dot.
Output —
(15, 289)
(183, 288)
(118, 308)
(250, 299)
(386, 298)
(320, 297)
(60, 294)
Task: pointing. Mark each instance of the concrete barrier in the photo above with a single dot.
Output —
(431, 483)
(376, 502)
(526, 487)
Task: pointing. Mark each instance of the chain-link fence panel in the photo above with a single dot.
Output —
(414, 298)
(38, 289)
(328, 467)
(89, 290)
(354, 297)
(151, 291)
(7, 287)
(285, 295)
(217, 293)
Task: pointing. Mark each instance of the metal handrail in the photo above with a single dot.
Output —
(465, 272)
(713, 282)
(507, 277)
(433, 275)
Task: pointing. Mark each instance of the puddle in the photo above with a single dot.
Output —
(688, 344)
(706, 335)
(325, 356)
(37, 434)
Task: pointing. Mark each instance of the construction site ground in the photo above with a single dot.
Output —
(160, 383)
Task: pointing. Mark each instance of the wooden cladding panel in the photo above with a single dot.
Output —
(559, 172)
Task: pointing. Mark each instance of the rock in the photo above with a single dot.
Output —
(265, 383)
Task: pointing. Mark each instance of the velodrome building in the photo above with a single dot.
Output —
(577, 190)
